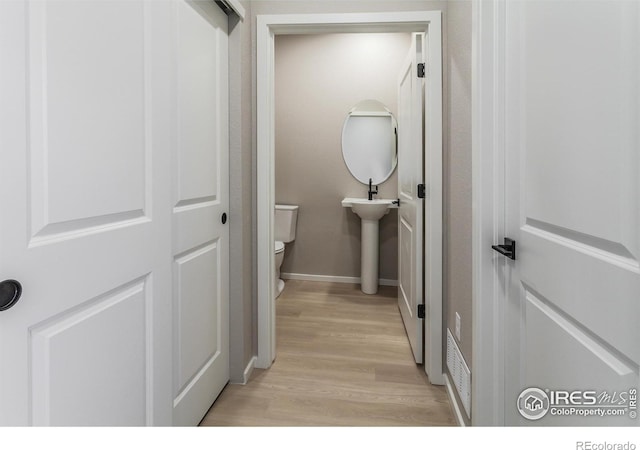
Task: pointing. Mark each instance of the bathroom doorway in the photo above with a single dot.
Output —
(270, 26)
(335, 129)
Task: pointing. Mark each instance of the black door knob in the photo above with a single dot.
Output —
(10, 292)
(224, 218)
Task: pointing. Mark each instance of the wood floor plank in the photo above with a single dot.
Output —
(343, 359)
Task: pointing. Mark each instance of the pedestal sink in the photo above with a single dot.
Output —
(370, 213)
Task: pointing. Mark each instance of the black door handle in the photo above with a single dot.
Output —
(10, 292)
(508, 249)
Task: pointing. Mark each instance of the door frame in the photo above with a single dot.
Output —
(267, 27)
(489, 294)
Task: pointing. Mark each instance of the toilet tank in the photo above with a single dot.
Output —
(286, 218)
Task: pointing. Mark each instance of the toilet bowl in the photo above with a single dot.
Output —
(285, 219)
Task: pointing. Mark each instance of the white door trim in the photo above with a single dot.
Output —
(488, 150)
(267, 27)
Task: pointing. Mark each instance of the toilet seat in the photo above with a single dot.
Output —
(279, 247)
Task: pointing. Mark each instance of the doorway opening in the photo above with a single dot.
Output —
(268, 26)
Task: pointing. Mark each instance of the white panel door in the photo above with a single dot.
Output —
(200, 199)
(85, 214)
(410, 211)
(573, 207)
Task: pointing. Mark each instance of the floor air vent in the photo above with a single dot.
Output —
(460, 372)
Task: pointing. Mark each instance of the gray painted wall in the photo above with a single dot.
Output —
(457, 176)
(242, 335)
(457, 161)
(319, 78)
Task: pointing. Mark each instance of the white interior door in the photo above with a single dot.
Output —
(114, 149)
(573, 207)
(200, 199)
(85, 221)
(410, 211)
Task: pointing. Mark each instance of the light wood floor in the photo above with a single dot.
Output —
(343, 359)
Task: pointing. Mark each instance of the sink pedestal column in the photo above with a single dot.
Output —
(370, 212)
(369, 256)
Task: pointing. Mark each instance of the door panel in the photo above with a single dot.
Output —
(573, 201)
(200, 239)
(609, 315)
(198, 337)
(67, 357)
(410, 211)
(67, 79)
(201, 64)
(563, 337)
(405, 234)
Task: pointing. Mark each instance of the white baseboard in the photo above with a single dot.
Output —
(333, 279)
(248, 371)
(454, 402)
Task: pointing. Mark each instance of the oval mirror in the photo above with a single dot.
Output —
(369, 142)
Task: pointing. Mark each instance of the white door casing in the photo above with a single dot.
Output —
(90, 143)
(565, 126)
(411, 209)
(429, 22)
(200, 198)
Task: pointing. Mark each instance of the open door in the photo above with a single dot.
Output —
(411, 208)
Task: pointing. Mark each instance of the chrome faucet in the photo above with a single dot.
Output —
(371, 191)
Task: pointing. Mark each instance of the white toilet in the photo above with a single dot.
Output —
(286, 218)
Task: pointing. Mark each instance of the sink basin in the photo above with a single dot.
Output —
(371, 209)
(370, 212)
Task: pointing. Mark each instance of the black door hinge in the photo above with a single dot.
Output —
(420, 311)
(421, 70)
(421, 191)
